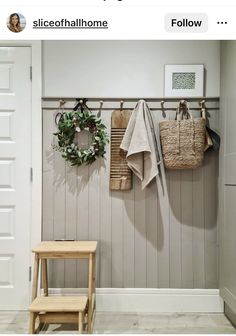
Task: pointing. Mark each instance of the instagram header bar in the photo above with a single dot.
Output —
(137, 22)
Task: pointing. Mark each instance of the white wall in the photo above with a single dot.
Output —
(122, 68)
(228, 177)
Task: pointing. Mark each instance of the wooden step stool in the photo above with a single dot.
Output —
(56, 308)
(63, 309)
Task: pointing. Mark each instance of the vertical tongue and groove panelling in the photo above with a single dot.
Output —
(120, 174)
(146, 238)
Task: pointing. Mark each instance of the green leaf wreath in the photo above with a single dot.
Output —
(76, 121)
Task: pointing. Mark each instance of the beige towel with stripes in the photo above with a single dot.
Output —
(138, 141)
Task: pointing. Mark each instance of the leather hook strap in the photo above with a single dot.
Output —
(81, 103)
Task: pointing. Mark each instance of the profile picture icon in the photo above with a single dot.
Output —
(16, 22)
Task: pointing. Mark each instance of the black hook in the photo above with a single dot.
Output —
(81, 103)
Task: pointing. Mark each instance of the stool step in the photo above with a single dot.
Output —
(59, 304)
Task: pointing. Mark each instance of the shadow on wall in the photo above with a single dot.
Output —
(184, 196)
(193, 194)
(64, 173)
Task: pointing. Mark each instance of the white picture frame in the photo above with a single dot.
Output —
(184, 80)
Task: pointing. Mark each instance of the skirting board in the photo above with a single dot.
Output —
(139, 300)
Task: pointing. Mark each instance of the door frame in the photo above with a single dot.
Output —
(36, 139)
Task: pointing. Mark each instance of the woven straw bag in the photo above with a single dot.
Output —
(183, 140)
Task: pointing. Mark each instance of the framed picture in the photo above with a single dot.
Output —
(184, 80)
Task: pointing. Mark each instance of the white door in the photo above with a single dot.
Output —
(15, 185)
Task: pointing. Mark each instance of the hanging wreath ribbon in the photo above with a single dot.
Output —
(74, 122)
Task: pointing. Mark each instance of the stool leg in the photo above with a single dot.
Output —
(90, 291)
(32, 323)
(81, 320)
(45, 277)
(35, 278)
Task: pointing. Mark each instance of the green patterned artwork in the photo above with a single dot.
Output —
(183, 80)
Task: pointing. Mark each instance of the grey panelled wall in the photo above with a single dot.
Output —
(145, 240)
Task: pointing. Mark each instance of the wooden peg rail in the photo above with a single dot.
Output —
(159, 104)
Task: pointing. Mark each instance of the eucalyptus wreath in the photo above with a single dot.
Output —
(69, 124)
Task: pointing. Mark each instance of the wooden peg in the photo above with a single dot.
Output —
(100, 109)
(163, 108)
(202, 104)
(61, 103)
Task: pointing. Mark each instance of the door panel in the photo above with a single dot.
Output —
(15, 187)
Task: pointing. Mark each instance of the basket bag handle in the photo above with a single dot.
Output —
(208, 140)
(183, 112)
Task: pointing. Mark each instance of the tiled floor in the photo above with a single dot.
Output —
(111, 323)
